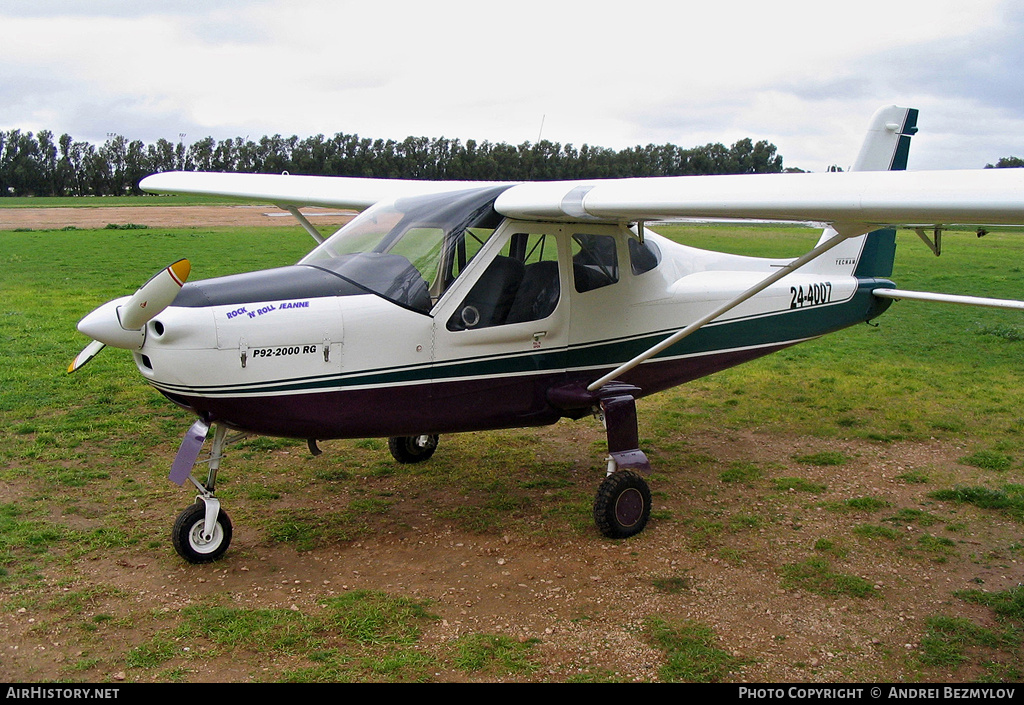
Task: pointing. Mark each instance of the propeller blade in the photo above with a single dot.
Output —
(89, 352)
(154, 296)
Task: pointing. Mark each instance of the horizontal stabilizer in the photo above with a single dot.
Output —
(949, 298)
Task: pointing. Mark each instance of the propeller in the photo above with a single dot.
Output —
(154, 296)
(121, 322)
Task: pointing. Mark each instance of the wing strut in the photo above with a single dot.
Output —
(934, 244)
(749, 293)
(304, 222)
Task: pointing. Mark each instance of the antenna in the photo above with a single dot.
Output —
(541, 131)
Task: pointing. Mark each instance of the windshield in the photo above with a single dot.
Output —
(410, 250)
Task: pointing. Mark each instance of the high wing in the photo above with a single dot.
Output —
(878, 192)
(852, 202)
(286, 190)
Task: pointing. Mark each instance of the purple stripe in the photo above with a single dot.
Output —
(440, 407)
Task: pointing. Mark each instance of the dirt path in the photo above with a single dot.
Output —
(161, 216)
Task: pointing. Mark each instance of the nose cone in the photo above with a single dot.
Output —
(104, 325)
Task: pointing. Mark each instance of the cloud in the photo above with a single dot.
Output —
(803, 75)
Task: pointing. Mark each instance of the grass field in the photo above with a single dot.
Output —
(80, 454)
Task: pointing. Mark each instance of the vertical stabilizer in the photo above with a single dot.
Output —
(885, 148)
(887, 143)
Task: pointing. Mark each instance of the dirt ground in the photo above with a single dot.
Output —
(585, 598)
(161, 217)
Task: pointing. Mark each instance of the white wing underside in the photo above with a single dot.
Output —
(287, 190)
(853, 202)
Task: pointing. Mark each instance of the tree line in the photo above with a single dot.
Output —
(38, 164)
(1007, 163)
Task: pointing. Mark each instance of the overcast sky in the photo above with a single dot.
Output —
(804, 75)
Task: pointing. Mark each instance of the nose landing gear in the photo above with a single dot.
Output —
(202, 532)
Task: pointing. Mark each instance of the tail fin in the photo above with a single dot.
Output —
(885, 148)
(887, 143)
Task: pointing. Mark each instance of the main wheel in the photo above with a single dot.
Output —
(623, 505)
(188, 539)
(412, 449)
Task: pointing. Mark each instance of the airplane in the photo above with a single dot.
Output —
(453, 307)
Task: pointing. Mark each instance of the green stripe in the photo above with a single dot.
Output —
(758, 331)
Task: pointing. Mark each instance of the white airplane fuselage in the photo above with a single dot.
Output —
(260, 354)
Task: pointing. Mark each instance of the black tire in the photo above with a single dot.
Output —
(623, 505)
(412, 449)
(187, 535)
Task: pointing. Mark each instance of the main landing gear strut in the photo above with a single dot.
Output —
(623, 504)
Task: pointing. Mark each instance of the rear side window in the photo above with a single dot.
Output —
(595, 261)
(643, 256)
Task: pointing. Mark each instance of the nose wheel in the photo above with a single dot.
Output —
(202, 533)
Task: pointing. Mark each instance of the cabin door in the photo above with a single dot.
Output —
(500, 333)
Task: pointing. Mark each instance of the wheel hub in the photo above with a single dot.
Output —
(199, 542)
(629, 507)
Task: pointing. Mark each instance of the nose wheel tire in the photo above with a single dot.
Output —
(623, 505)
(189, 539)
(412, 449)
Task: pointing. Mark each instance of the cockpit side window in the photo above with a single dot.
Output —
(520, 285)
(595, 261)
(462, 247)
